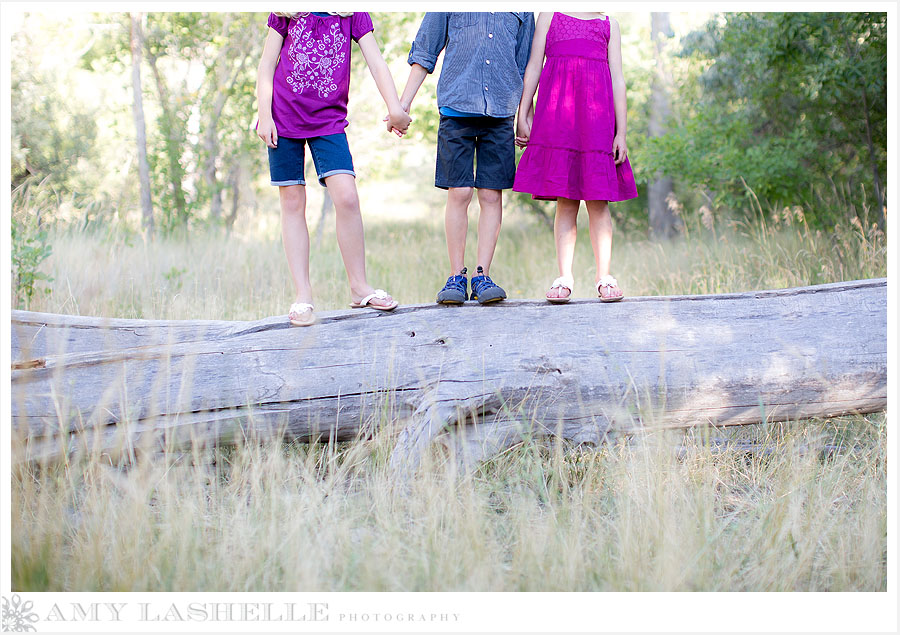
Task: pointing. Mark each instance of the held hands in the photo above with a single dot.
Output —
(619, 149)
(398, 121)
(265, 129)
(523, 127)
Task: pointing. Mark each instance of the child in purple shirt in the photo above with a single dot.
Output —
(302, 90)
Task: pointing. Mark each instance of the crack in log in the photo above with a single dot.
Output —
(29, 364)
(94, 359)
(280, 406)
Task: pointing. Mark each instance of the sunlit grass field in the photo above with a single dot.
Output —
(207, 275)
(802, 509)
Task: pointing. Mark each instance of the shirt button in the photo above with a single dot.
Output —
(491, 35)
(485, 87)
(487, 61)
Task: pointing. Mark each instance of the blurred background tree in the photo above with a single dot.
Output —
(663, 221)
(790, 108)
(760, 110)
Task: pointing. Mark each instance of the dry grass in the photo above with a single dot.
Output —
(629, 516)
(245, 277)
(633, 515)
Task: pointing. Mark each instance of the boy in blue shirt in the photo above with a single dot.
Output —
(478, 92)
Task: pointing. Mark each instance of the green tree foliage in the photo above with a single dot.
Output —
(783, 104)
(202, 77)
(395, 32)
(199, 93)
(788, 107)
(53, 136)
(29, 248)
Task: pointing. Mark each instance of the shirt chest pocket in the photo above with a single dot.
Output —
(462, 19)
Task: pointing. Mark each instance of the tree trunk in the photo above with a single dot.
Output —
(140, 129)
(522, 368)
(211, 147)
(663, 222)
(234, 179)
(853, 52)
(879, 192)
(225, 76)
(174, 142)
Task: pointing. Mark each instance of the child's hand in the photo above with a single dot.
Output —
(398, 122)
(620, 150)
(391, 128)
(523, 132)
(265, 129)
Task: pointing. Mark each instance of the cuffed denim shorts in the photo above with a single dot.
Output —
(476, 152)
(330, 153)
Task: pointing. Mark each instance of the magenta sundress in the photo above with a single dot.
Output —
(569, 153)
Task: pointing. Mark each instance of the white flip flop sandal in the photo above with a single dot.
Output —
(380, 294)
(301, 314)
(562, 283)
(609, 282)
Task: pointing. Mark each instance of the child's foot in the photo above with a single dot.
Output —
(455, 291)
(377, 299)
(608, 289)
(484, 290)
(301, 314)
(560, 291)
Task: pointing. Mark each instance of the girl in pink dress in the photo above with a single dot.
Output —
(575, 138)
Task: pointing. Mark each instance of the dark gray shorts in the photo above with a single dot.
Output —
(476, 152)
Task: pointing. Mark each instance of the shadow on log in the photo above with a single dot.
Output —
(476, 378)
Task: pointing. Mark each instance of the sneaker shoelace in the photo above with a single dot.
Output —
(458, 282)
(482, 282)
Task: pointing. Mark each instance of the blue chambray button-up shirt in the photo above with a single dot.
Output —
(485, 59)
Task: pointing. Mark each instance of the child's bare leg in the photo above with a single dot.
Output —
(489, 219)
(350, 235)
(295, 238)
(456, 224)
(600, 225)
(565, 231)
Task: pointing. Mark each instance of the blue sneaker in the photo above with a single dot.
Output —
(454, 292)
(484, 290)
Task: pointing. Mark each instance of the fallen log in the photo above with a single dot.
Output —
(477, 378)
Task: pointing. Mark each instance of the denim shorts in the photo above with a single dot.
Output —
(475, 152)
(331, 155)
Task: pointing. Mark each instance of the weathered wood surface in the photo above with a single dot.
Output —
(517, 368)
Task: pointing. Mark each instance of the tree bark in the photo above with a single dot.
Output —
(663, 222)
(475, 378)
(140, 129)
(234, 179)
